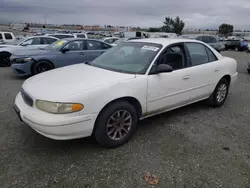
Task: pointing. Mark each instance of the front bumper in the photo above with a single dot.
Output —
(21, 69)
(55, 126)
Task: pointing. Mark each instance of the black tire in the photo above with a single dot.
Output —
(214, 99)
(248, 70)
(5, 59)
(41, 66)
(101, 126)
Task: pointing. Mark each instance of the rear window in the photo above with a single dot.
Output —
(7, 36)
(62, 36)
(80, 36)
(1, 36)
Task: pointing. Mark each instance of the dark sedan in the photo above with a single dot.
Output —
(59, 54)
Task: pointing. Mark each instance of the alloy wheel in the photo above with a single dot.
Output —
(119, 125)
(221, 93)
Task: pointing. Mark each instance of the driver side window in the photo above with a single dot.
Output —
(27, 42)
(74, 46)
(173, 56)
(32, 41)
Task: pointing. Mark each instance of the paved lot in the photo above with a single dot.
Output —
(194, 146)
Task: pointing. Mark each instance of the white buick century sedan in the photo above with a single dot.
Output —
(134, 80)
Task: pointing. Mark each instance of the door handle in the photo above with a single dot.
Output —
(216, 70)
(81, 53)
(186, 77)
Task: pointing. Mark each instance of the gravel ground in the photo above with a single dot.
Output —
(195, 146)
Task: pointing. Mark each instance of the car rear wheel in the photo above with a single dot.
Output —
(248, 70)
(220, 93)
(41, 66)
(116, 124)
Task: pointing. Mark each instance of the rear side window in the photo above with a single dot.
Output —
(95, 45)
(1, 36)
(7, 36)
(199, 38)
(198, 53)
(206, 39)
(48, 40)
(213, 40)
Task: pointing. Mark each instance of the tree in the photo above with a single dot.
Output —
(226, 29)
(178, 25)
(173, 25)
(154, 29)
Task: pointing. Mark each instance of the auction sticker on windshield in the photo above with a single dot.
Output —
(152, 48)
(60, 43)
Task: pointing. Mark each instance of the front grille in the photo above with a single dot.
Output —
(27, 99)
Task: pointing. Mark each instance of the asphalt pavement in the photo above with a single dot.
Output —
(193, 147)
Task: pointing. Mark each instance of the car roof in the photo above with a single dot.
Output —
(163, 41)
(72, 39)
(40, 36)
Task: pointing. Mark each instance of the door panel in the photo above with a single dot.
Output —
(75, 55)
(70, 58)
(92, 54)
(168, 90)
(203, 72)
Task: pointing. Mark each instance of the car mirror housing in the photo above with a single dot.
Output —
(163, 68)
(64, 50)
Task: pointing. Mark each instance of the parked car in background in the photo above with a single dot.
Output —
(110, 40)
(124, 40)
(136, 79)
(210, 40)
(62, 53)
(35, 42)
(61, 35)
(235, 44)
(248, 67)
(7, 37)
(80, 35)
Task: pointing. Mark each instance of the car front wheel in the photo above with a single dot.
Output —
(220, 93)
(41, 66)
(116, 124)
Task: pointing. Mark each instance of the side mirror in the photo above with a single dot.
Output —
(163, 68)
(24, 44)
(64, 50)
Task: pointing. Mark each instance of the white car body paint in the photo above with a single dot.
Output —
(96, 87)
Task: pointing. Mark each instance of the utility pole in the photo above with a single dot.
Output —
(44, 19)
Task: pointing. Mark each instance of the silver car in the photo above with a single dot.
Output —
(35, 42)
(210, 40)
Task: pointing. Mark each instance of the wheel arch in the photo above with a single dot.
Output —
(6, 52)
(131, 100)
(33, 64)
(227, 77)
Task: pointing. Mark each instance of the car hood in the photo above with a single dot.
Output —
(58, 84)
(30, 52)
(8, 48)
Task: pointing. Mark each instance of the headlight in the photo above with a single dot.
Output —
(57, 107)
(23, 60)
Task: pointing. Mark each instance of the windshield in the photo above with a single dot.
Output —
(19, 41)
(128, 57)
(56, 45)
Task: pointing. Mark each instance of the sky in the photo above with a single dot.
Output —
(142, 13)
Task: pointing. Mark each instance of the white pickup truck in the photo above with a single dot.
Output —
(7, 37)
